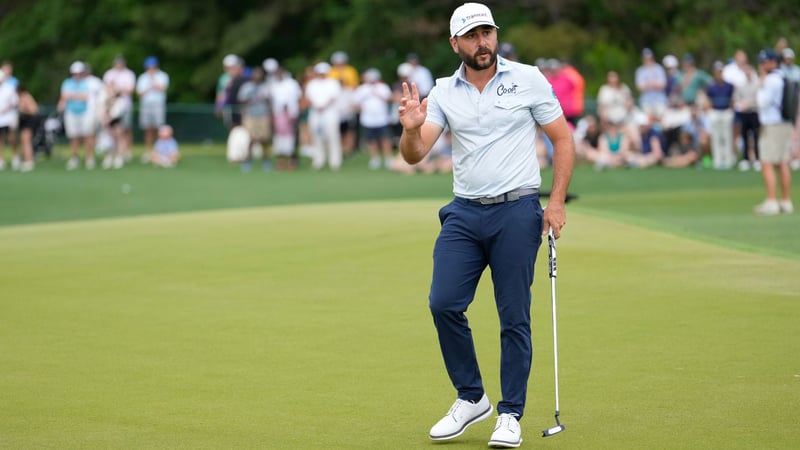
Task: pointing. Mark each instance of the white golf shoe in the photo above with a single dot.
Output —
(507, 433)
(462, 414)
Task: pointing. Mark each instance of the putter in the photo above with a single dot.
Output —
(551, 240)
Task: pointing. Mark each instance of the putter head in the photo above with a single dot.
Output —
(554, 430)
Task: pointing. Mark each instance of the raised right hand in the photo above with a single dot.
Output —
(411, 111)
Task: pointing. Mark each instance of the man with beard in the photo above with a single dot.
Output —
(492, 107)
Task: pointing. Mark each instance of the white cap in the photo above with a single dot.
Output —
(405, 69)
(230, 60)
(77, 67)
(339, 57)
(670, 61)
(788, 53)
(270, 65)
(469, 16)
(371, 75)
(322, 68)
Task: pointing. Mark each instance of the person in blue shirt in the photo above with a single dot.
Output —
(492, 107)
(79, 118)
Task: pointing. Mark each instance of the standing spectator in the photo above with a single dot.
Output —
(691, 81)
(775, 136)
(720, 116)
(672, 68)
(231, 106)
(651, 82)
(303, 129)
(79, 119)
(7, 69)
(420, 75)
(122, 81)
(507, 51)
(495, 219)
(8, 115)
(745, 103)
(614, 100)
(256, 118)
(322, 94)
(734, 73)
(372, 99)
(285, 94)
(152, 90)
(792, 72)
(29, 121)
(573, 108)
(347, 76)
(114, 107)
(220, 99)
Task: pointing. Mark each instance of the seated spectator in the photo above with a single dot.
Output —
(672, 121)
(165, 150)
(693, 143)
(587, 135)
(651, 150)
(613, 146)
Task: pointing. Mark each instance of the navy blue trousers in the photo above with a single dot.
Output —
(505, 237)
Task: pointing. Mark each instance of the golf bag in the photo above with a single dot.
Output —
(46, 134)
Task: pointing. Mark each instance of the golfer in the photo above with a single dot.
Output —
(492, 107)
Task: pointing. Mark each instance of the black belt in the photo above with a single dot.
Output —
(511, 196)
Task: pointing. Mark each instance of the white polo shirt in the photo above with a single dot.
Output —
(770, 97)
(494, 132)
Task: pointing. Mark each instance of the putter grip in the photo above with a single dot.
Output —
(551, 240)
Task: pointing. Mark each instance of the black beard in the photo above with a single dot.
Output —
(471, 61)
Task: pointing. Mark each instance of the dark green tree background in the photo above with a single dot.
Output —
(191, 37)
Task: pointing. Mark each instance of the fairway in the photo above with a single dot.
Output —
(307, 327)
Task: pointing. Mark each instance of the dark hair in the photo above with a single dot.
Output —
(21, 88)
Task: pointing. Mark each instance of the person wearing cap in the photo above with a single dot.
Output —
(151, 87)
(507, 51)
(672, 68)
(372, 100)
(229, 63)
(79, 120)
(322, 94)
(492, 107)
(720, 117)
(122, 81)
(231, 105)
(651, 82)
(420, 75)
(347, 75)
(774, 137)
(792, 72)
(285, 94)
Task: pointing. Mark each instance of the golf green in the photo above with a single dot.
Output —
(306, 326)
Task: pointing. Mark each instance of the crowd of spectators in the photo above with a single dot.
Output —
(675, 115)
(680, 115)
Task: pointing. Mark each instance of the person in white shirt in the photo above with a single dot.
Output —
(493, 108)
(323, 94)
(774, 137)
(285, 94)
(151, 87)
(122, 81)
(372, 99)
(8, 115)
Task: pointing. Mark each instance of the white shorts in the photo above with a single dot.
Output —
(152, 115)
(79, 125)
(283, 145)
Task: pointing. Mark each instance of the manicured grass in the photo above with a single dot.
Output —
(208, 308)
(307, 327)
